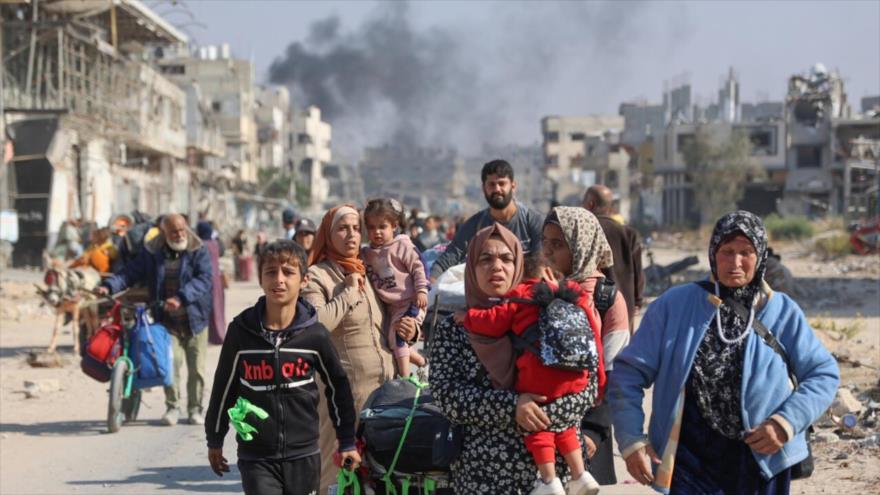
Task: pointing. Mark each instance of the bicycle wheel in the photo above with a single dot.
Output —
(117, 389)
(131, 406)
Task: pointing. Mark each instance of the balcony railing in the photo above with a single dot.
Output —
(53, 66)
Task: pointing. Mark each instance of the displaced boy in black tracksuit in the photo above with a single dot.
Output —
(270, 357)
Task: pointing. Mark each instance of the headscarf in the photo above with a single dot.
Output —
(323, 248)
(475, 296)
(750, 226)
(716, 376)
(496, 354)
(585, 238)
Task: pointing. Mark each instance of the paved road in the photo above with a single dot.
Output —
(57, 443)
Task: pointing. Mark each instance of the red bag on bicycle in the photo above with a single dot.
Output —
(101, 352)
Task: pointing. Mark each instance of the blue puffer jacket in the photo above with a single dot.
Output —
(195, 278)
(662, 353)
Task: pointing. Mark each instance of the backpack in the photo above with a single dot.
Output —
(134, 238)
(563, 332)
(151, 352)
(604, 294)
(101, 352)
(405, 432)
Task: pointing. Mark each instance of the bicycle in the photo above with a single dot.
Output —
(125, 386)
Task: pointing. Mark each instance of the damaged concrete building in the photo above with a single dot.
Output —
(565, 151)
(310, 139)
(97, 130)
(227, 84)
(676, 206)
(816, 153)
(432, 179)
(113, 111)
(831, 154)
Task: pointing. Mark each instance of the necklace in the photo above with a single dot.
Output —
(745, 332)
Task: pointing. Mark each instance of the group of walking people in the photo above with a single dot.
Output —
(730, 405)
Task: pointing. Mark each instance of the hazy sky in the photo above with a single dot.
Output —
(510, 63)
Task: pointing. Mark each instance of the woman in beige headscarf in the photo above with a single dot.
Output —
(348, 307)
(493, 456)
(575, 245)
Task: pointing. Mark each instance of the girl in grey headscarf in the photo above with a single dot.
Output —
(575, 245)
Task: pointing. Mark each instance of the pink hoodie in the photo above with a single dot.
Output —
(395, 270)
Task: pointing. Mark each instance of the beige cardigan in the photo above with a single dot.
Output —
(356, 321)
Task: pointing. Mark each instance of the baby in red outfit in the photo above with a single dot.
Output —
(535, 378)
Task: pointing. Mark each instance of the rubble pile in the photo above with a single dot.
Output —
(847, 264)
(851, 424)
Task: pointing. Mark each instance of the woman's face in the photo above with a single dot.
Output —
(735, 262)
(346, 236)
(495, 268)
(556, 250)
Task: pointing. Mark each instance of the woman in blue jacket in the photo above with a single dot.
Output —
(726, 418)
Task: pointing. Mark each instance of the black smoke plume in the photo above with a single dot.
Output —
(463, 85)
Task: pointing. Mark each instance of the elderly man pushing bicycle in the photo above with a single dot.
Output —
(177, 269)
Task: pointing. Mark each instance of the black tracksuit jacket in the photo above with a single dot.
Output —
(279, 377)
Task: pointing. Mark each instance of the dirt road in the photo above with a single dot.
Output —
(57, 443)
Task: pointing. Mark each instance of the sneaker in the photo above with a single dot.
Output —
(196, 419)
(170, 417)
(552, 488)
(585, 485)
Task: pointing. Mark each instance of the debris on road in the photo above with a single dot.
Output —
(845, 403)
(34, 389)
(46, 360)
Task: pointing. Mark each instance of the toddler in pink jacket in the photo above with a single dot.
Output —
(396, 273)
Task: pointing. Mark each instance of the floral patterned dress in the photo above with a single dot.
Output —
(493, 458)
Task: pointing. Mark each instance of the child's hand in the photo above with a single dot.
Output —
(219, 464)
(422, 300)
(350, 459)
(458, 316)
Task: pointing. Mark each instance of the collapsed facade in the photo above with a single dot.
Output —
(110, 111)
(74, 93)
(565, 147)
(818, 157)
(832, 155)
(310, 139)
(429, 179)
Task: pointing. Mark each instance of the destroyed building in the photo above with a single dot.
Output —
(816, 154)
(677, 204)
(228, 84)
(565, 150)
(95, 126)
(827, 146)
(112, 111)
(310, 139)
(273, 120)
(432, 179)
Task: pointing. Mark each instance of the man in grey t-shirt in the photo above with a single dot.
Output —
(498, 187)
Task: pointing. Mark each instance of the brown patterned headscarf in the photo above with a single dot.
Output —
(585, 238)
(496, 354)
